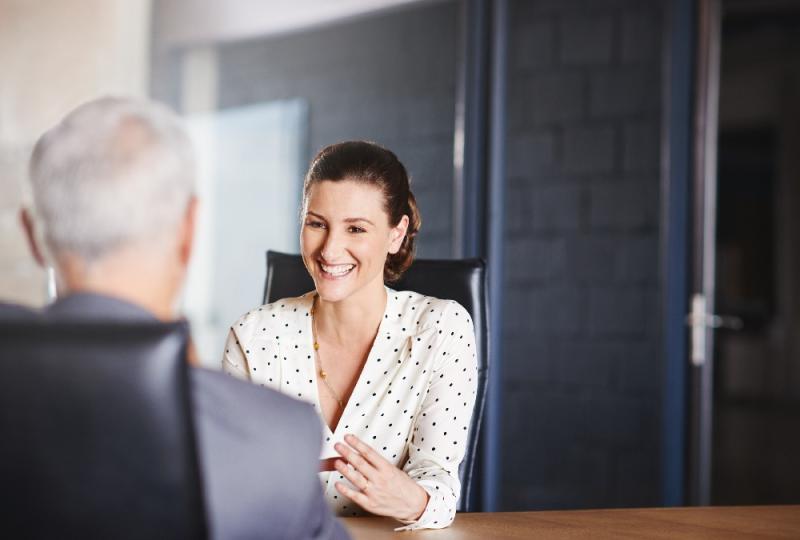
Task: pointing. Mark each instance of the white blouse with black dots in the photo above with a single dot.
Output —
(412, 402)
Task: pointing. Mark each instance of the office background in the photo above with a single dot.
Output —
(554, 137)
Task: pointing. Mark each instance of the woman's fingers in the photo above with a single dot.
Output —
(373, 457)
(355, 496)
(355, 477)
(356, 460)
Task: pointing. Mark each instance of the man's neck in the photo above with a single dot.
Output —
(149, 286)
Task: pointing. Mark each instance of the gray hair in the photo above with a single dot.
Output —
(113, 172)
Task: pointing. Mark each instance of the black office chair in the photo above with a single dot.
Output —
(97, 432)
(461, 280)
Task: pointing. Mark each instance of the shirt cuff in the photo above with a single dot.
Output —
(431, 518)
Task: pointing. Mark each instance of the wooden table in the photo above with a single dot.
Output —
(707, 522)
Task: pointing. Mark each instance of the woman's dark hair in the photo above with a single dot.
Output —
(372, 164)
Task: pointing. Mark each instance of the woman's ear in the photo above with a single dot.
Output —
(397, 235)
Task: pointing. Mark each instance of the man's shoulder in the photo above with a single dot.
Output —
(9, 311)
(259, 453)
(251, 407)
(216, 382)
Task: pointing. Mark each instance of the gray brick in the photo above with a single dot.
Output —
(429, 164)
(618, 421)
(617, 311)
(637, 368)
(583, 363)
(586, 469)
(624, 92)
(641, 147)
(629, 205)
(425, 115)
(515, 309)
(593, 258)
(547, 415)
(653, 299)
(546, 98)
(530, 259)
(586, 40)
(534, 45)
(637, 260)
(435, 206)
(527, 359)
(589, 149)
(641, 35)
(531, 154)
(554, 310)
(517, 208)
(635, 474)
(434, 246)
(556, 208)
(547, 208)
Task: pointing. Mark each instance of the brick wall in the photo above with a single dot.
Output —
(582, 357)
(389, 78)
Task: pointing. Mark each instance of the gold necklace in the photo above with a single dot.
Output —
(321, 372)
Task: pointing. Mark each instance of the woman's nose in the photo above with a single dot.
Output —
(333, 246)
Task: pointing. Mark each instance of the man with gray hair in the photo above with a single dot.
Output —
(113, 214)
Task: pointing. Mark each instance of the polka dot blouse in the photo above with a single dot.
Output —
(412, 402)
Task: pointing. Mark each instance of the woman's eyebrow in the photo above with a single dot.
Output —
(346, 220)
(356, 219)
(310, 213)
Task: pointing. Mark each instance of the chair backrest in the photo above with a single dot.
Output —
(97, 432)
(461, 280)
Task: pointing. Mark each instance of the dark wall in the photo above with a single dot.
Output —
(582, 335)
(389, 78)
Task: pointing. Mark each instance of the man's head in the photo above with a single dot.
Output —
(113, 194)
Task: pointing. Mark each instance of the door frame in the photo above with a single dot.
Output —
(676, 174)
(703, 253)
(689, 173)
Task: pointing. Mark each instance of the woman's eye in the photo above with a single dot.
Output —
(315, 224)
(354, 229)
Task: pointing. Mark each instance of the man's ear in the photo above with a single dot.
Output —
(28, 225)
(397, 234)
(187, 231)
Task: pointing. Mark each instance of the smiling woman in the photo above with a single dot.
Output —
(392, 374)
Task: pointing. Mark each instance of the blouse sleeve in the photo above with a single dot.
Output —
(234, 361)
(439, 438)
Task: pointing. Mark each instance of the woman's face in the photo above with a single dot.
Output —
(345, 238)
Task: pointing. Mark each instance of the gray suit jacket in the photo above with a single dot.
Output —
(258, 449)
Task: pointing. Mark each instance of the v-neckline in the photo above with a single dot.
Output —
(359, 380)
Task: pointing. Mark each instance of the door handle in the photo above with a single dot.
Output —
(729, 322)
(699, 320)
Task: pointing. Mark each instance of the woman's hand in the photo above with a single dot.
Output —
(382, 488)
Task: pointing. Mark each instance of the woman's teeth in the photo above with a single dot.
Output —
(337, 270)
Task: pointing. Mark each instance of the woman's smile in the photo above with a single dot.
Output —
(335, 271)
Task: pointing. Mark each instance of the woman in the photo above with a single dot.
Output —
(392, 374)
